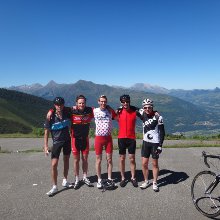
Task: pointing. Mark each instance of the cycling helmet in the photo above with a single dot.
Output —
(147, 102)
(125, 97)
(58, 101)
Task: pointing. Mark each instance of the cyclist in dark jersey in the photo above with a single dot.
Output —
(80, 116)
(80, 119)
(127, 137)
(153, 137)
(58, 125)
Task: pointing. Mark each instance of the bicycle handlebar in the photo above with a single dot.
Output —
(205, 155)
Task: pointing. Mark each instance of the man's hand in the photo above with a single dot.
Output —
(159, 150)
(109, 108)
(119, 109)
(49, 114)
(46, 151)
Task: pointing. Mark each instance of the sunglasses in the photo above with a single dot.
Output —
(125, 102)
(147, 107)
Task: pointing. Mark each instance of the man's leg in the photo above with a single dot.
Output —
(65, 165)
(98, 166)
(132, 165)
(145, 169)
(85, 164)
(155, 169)
(122, 165)
(155, 174)
(109, 165)
(54, 171)
(54, 174)
(76, 159)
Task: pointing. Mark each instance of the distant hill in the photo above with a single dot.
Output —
(20, 112)
(207, 98)
(146, 87)
(179, 115)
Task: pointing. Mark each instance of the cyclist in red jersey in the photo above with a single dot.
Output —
(127, 138)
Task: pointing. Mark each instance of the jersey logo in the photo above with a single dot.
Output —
(60, 125)
(149, 136)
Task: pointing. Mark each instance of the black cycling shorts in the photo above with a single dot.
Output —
(149, 149)
(56, 149)
(126, 143)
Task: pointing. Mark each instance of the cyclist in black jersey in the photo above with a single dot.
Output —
(80, 116)
(80, 120)
(153, 137)
(58, 125)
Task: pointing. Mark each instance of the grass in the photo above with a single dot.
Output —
(191, 145)
(5, 151)
(18, 135)
(23, 151)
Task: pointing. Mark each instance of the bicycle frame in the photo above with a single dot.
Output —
(212, 185)
(205, 183)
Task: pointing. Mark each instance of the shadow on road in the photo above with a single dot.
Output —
(171, 177)
(166, 177)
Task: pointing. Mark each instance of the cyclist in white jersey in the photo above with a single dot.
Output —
(153, 137)
(103, 120)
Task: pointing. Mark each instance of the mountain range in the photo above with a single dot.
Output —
(205, 98)
(183, 110)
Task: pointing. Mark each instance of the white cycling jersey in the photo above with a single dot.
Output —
(153, 128)
(103, 121)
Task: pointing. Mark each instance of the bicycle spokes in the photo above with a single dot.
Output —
(205, 193)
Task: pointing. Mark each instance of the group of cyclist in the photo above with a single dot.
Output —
(78, 119)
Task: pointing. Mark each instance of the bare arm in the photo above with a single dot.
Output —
(46, 136)
(114, 113)
(49, 114)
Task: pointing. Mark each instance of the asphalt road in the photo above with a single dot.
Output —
(25, 179)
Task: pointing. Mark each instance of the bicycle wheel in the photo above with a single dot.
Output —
(206, 194)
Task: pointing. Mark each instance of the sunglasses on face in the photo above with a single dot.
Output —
(148, 107)
(125, 102)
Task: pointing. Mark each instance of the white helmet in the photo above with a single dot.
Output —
(147, 102)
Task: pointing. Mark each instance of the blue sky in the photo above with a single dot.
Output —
(170, 43)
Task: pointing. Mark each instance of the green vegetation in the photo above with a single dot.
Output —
(194, 137)
(5, 151)
(21, 113)
(192, 145)
(37, 150)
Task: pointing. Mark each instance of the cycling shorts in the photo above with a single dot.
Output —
(56, 149)
(103, 141)
(149, 149)
(126, 143)
(80, 145)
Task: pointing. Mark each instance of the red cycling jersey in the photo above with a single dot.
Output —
(126, 122)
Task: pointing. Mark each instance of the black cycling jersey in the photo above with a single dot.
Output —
(153, 128)
(81, 122)
(59, 128)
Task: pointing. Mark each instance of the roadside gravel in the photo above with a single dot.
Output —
(21, 144)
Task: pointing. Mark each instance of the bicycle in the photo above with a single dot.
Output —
(204, 191)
